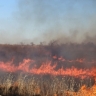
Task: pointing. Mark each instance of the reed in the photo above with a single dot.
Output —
(39, 86)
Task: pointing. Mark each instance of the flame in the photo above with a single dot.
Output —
(84, 91)
(88, 91)
(80, 60)
(47, 68)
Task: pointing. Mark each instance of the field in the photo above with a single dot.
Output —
(48, 70)
(26, 85)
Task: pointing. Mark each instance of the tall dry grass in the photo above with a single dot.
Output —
(39, 86)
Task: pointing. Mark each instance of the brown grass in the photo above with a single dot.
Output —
(36, 86)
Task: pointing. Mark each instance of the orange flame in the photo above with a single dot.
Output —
(47, 68)
(84, 91)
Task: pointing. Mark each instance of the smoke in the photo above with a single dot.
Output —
(53, 20)
(38, 21)
(67, 55)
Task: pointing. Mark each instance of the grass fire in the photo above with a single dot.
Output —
(47, 47)
(48, 70)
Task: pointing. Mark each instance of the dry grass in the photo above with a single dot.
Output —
(36, 86)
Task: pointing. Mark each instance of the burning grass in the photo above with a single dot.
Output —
(58, 70)
(26, 85)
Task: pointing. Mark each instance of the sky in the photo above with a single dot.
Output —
(38, 21)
